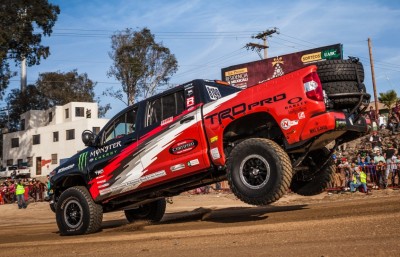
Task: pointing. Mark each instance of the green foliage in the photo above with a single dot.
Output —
(22, 25)
(61, 88)
(388, 99)
(51, 89)
(19, 102)
(140, 64)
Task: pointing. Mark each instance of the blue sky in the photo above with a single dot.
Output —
(209, 35)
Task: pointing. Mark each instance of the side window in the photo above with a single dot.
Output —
(123, 125)
(168, 106)
(165, 107)
(180, 102)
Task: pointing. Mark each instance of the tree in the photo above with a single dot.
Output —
(140, 64)
(19, 102)
(22, 25)
(51, 89)
(388, 99)
(61, 88)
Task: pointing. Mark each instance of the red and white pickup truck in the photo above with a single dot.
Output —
(264, 140)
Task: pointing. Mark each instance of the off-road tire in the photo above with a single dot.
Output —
(318, 178)
(77, 213)
(259, 171)
(151, 212)
(340, 70)
(344, 87)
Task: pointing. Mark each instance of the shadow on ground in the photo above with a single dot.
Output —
(224, 215)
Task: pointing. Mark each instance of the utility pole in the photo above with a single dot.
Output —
(371, 60)
(263, 36)
(23, 74)
(23, 61)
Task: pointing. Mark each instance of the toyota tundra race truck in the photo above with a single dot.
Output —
(265, 140)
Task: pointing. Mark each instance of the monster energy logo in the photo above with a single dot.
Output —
(82, 160)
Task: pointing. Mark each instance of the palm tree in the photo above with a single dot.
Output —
(388, 99)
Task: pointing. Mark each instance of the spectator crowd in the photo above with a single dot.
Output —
(34, 190)
(374, 167)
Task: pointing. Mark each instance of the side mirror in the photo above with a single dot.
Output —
(88, 138)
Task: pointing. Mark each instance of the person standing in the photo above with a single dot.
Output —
(389, 153)
(19, 192)
(373, 117)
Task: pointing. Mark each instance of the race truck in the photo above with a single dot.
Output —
(264, 140)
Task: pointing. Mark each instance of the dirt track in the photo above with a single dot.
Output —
(218, 225)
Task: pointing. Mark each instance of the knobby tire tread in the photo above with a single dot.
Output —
(283, 187)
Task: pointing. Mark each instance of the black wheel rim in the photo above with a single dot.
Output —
(254, 171)
(73, 214)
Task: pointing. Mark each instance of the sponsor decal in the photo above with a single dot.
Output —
(330, 54)
(105, 149)
(166, 121)
(104, 185)
(179, 166)
(287, 124)
(82, 160)
(99, 172)
(213, 92)
(188, 86)
(183, 146)
(238, 77)
(311, 57)
(213, 139)
(189, 92)
(340, 124)
(215, 153)
(295, 102)
(301, 115)
(297, 110)
(97, 154)
(323, 55)
(193, 162)
(66, 168)
(318, 129)
(190, 101)
(241, 108)
(134, 182)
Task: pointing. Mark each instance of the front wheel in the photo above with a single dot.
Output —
(77, 213)
(259, 171)
(151, 212)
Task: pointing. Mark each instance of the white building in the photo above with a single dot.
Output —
(48, 138)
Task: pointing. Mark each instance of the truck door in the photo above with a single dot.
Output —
(111, 162)
(174, 141)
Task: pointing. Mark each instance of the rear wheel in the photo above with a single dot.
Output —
(151, 212)
(317, 178)
(77, 213)
(259, 171)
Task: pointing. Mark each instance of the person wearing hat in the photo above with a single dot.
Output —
(19, 192)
